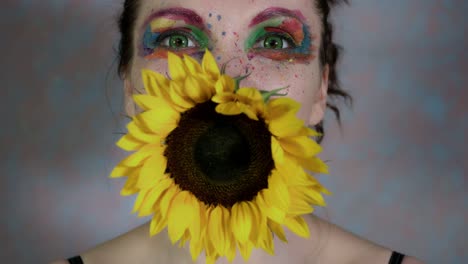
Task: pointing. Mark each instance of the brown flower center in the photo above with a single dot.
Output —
(220, 159)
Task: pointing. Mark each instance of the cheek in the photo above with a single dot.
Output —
(302, 82)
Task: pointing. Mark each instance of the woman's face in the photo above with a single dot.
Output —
(277, 41)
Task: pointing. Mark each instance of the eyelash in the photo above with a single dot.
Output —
(155, 43)
(284, 36)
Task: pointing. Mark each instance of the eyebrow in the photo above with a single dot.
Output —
(275, 12)
(179, 13)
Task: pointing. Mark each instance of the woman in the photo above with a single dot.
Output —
(281, 44)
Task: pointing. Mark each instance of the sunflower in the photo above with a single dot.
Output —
(223, 168)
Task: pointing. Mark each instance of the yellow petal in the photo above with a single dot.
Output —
(245, 250)
(257, 221)
(299, 205)
(298, 226)
(241, 221)
(179, 216)
(129, 143)
(166, 200)
(223, 97)
(277, 151)
(278, 230)
(161, 121)
(209, 65)
(225, 84)
(195, 226)
(248, 111)
(266, 241)
(121, 171)
(249, 94)
(216, 229)
(147, 206)
(177, 69)
(192, 65)
(178, 96)
(196, 248)
(140, 156)
(229, 108)
(146, 102)
(277, 193)
(195, 91)
(129, 187)
(301, 146)
(286, 125)
(313, 164)
(158, 222)
(271, 211)
(282, 106)
(139, 200)
(154, 82)
(152, 171)
(140, 134)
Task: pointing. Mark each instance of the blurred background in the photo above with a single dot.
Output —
(398, 164)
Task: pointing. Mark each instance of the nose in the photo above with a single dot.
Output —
(236, 64)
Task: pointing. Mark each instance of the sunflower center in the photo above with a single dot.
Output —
(220, 159)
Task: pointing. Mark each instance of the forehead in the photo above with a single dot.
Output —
(233, 14)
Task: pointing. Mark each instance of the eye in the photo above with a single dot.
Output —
(177, 41)
(274, 41)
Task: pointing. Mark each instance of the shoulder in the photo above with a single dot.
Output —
(341, 246)
(135, 246)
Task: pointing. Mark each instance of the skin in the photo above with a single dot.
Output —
(230, 28)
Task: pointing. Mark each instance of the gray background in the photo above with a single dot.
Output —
(398, 168)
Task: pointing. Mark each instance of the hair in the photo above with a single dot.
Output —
(329, 51)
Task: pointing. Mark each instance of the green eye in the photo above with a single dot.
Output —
(177, 41)
(274, 42)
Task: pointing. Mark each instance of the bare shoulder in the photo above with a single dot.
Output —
(341, 246)
(135, 246)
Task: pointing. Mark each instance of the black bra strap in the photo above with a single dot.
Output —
(75, 260)
(396, 258)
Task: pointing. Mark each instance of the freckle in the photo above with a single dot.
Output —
(218, 58)
(209, 14)
(219, 17)
(223, 33)
(208, 25)
(295, 75)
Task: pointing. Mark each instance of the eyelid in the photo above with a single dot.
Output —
(181, 31)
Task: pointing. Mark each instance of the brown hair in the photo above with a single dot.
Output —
(329, 51)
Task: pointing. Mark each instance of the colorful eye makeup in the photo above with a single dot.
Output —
(178, 30)
(280, 34)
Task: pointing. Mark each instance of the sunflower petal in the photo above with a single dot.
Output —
(196, 248)
(158, 222)
(271, 211)
(298, 226)
(209, 65)
(160, 121)
(245, 250)
(282, 106)
(298, 206)
(153, 170)
(277, 151)
(139, 200)
(129, 143)
(177, 68)
(178, 97)
(241, 221)
(225, 84)
(121, 171)
(129, 187)
(286, 125)
(216, 228)
(266, 241)
(313, 164)
(140, 156)
(192, 65)
(140, 134)
(154, 82)
(166, 200)
(300, 146)
(146, 102)
(229, 108)
(147, 207)
(195, 91)
(250, 94)
(278, 230)
(179, 216)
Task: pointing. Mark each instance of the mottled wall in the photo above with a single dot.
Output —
(398, 168)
